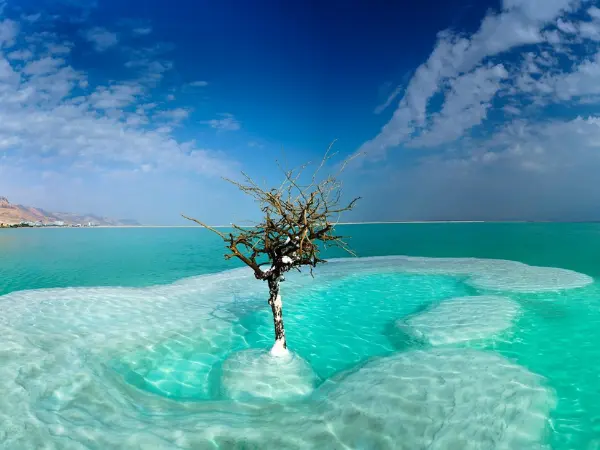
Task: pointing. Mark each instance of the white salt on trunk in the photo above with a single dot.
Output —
(278, 349)
(280, 346)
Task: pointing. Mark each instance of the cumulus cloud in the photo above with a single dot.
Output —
(101, 38)
(52, 118)
(226, 123)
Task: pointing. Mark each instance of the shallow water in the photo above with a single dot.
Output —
(385, 354)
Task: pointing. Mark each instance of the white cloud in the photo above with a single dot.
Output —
(594, 12)
(578, 84)
(566, 27)
(8, 75)
(147, 106)
(8, 31)
(32, 18)
(136, 119)
(142, 31)
(152, 71)
(466, 105)
(115, 97)
(541, 171)
(520, 23)
(499, 147)
(173, 116)
(58, 49)
(552, 37)
(582, 81)
(43, 66)
(227, 123)
(74, 134)
(198, 84)
(101, 38)
(590, 30)
(69, 143)
(50, 117)
(547, 146)
(393, 95)
(21, 55)
(509, 109)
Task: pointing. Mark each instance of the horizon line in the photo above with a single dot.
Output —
(346, 223)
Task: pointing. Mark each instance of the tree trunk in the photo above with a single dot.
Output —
(280, 346)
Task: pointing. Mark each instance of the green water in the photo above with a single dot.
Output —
(171, 366)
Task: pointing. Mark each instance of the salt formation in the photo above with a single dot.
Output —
(76, 364)
(461, 319)
(492, 274)
(439, 399)
(525, 279)
(256, 374)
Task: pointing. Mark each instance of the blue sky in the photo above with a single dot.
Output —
(468, 110)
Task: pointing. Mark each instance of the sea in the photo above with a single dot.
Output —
(436, 335)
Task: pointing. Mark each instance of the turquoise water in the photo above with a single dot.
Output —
(136, 350)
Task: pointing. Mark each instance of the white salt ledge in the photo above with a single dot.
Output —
(57, 344)
(490, 274)
(439, 399)
(257, 374)
(462, 319)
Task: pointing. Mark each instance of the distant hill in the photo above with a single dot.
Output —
(14, 214)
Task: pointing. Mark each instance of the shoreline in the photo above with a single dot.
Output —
(341, 223)
(229, 226)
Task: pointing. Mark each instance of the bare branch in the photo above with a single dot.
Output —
(298, 221)
(208, 227)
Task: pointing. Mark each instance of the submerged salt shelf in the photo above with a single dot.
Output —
(462, 319)
(186, 364)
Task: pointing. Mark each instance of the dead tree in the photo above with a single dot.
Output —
(299, 219)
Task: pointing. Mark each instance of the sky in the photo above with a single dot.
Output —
(454, 110)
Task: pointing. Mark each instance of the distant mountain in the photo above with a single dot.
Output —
(14, 214)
